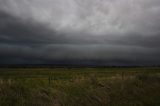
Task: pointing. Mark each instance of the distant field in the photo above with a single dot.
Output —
(80, 86)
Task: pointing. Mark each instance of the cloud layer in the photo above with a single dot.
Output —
(107, 32)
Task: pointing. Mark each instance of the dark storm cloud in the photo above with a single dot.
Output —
(15, 30)
(102, 32)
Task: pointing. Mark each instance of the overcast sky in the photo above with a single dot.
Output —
(102, 32)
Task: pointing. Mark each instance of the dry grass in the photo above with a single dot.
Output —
(80, 87)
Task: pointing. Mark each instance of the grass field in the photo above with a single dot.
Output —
(80, 87)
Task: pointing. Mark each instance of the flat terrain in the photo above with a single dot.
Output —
(80, 86)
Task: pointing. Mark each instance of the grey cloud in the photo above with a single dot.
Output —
(77, 53)
(107, 32)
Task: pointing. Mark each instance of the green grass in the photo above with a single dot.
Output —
(80, 87)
